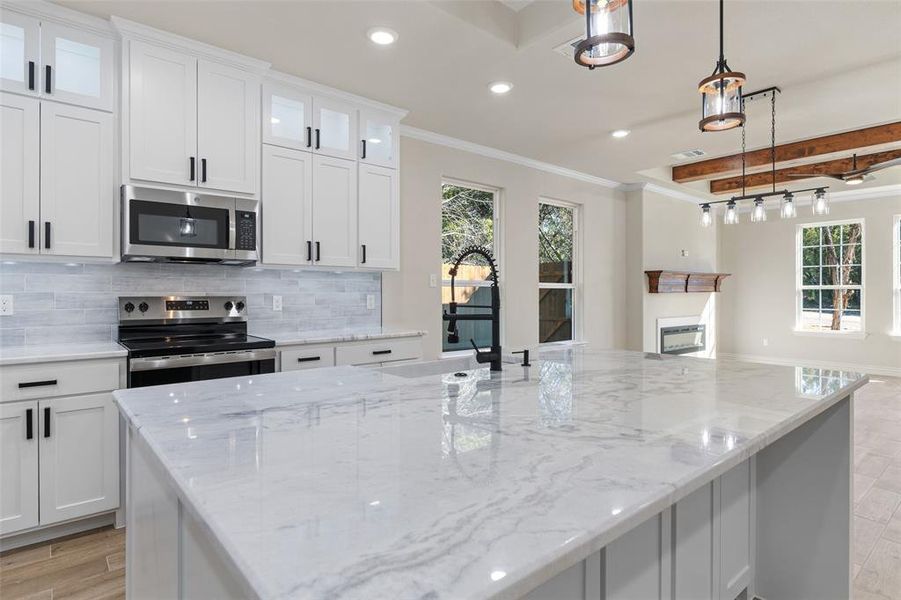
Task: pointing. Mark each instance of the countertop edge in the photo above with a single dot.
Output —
(73, 354)
(283, 342)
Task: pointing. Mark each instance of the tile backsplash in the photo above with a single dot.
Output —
(75, 302)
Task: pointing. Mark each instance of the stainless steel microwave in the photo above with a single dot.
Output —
(170, 226)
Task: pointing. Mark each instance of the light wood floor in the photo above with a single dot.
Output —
(85, 566)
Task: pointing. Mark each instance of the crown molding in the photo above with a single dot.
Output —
(284, 79)
(866, 193)
(47, 11)
(137, 31)
(663, 191)
(487, 151)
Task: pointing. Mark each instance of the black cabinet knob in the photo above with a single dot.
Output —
(143, 306)
(129, 307)
(229, 305)
(239, 306)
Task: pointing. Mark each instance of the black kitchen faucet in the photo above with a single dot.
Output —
(493, 355)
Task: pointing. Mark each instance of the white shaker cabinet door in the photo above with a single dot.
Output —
(77, 185)
(79, 437)
(379, 209)
(334, 212)
(287, 206)
(287, 117)
(20, 158)
(735, 531)
(694, 548)
(335, 128)
(379, 137)
(18, 466)
(162, 115)
(634, 565)
(20, 66)
(77, 66)
(228, 115)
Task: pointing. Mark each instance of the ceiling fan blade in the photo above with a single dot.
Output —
(883, 165)
(809, 175)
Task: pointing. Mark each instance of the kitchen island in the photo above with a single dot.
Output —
(590, 474)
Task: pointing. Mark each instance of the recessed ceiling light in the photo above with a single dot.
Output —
(382, 36)
(620, 133)
(500, 87)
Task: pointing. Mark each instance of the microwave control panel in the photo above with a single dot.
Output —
(245, 230)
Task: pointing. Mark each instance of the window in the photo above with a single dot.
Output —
(468, 218)
(557, 228)
(896, 272)
(830, 277)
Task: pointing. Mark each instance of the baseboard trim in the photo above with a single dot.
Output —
(37, 536)
(822, 364)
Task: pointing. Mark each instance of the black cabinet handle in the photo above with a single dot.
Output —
(202, 170)
(31, 384)
(29, 423)
(317, 138)
(364, 254)
(309, 136)
(46, 421)
(31, 77)
(193, 160)
(309, 358)
(318, 254)
(31, 234)
(364, 148)
(48, 74)
(309, 250)
(378, 352)
(46, 234)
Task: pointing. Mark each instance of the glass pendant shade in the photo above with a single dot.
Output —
(758, 213)
(820, 203)
(730, 217)
(788, 207)
(721, 104)
(706, 217)
(608, 32)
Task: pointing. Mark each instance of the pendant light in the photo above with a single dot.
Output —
(706, 217)
(730, 217)
(721, 102)
(788, 206)
(820, 203)
(608, 32)
(758, 213)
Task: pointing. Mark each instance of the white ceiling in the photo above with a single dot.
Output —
(837, 62)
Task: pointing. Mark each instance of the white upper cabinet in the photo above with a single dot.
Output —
(287, 194)
(287, 117)
(162, 117)
(77, 185)
(379, 216)
(19, 173)
(77, 66)
(334, 128)
(378, 143)
(334, 212)
(228, 108)
(20, 48)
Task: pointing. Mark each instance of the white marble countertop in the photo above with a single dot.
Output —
(340, 335)
(408, 482)
(21, 355)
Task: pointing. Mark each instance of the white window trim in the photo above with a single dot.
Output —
(896, 278)
(497, 251)
(576, 286)
(799, 264)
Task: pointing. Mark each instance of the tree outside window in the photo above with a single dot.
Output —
(556, 284)
(830, 281)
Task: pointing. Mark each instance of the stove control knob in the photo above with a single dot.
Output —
(229, 306)
(239, 306)
(129, 307)
(143, 307)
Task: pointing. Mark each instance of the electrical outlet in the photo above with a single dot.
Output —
(433, 280)
(276, 303)
(685, 253)
(766, 341)
(370, 301)
(6, 305)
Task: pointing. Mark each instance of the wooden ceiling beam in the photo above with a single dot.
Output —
(839, 142)
(765, 178)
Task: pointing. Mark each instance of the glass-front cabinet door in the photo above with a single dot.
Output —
(287, 118)
(334, 128)
(19, 53)
(77, 66)
(378, 143)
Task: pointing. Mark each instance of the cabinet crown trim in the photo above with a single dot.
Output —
(47, 11)
(280, 79)
(131, 30)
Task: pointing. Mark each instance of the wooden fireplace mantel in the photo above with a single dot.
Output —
(663, 282)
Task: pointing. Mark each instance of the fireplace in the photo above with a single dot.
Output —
(683, 339)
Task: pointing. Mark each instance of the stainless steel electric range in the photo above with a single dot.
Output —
(174, 339)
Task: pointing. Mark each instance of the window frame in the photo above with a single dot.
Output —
(800, 288)
(497, 251)
(896, 277)
(576, 285)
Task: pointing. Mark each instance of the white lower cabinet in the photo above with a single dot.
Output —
(735, 524)
(18, 466)
(693, 558)
(307, 357)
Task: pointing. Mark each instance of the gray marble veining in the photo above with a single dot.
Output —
(409, 482)
(20, 355)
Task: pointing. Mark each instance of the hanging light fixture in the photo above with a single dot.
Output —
(788, 206)
(706, 217)
(730, 217)
(820, 202)
(608, 32)
(721, 102)
(758, 213)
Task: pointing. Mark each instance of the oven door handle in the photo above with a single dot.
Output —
(153, 363)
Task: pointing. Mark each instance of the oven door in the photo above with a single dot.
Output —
(159, 370)
(176, 225)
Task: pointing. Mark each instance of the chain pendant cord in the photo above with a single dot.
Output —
(773, 136)
(742, 159)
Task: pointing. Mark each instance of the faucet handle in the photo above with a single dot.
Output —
(474, 347)
(525, 357)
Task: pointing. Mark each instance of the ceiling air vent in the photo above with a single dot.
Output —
(688, 154)
(568, 48)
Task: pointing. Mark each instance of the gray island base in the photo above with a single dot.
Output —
(593, 473)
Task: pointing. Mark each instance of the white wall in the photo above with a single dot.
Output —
(409, 302)
(758, 301)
